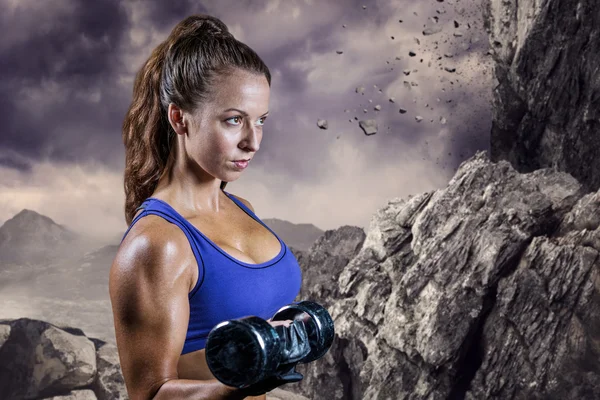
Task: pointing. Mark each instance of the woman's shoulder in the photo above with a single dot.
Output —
(246, 202)
(152, 240)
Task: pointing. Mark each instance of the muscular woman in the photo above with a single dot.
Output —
(194, 255)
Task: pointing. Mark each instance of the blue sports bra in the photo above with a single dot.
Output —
(228, 288)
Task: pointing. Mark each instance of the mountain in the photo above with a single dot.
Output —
(299, 236)
(29, 237)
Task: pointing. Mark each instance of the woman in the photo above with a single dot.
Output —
(194, 255)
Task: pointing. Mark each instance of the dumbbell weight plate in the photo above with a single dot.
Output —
(317, 321)
(242, 352)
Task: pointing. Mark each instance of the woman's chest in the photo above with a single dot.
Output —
(241, 236)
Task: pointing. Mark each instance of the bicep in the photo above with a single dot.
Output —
(148, 292)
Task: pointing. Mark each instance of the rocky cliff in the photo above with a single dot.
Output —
(546, 107)
(488, 288)
(39, 360)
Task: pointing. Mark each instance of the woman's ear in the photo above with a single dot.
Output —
(177, 120)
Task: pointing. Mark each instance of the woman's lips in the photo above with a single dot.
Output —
(241, 164)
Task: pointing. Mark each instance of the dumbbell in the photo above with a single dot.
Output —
(317, 323)
(247, 350)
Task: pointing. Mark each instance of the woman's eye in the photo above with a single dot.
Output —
(237, 117)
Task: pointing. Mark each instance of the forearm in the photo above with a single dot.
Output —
(187, 389)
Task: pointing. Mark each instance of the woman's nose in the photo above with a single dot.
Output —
(251, 140)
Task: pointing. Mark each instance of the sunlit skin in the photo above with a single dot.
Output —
(208, 140)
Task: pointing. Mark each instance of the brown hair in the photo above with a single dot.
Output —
(180, 70)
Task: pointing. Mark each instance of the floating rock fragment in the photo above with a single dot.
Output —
(378, 107)
(344, 25)
(402, 111)
(432, 31)
(368, 126)
(365, 110)
(412, 53)
(442, 120)
(456, 24)
(406, 72)
(407, 84)
(322, 123)
(392, 99)
(360, 90)
(419, 118)
(457, 34)
(339, 52)
(449, 69)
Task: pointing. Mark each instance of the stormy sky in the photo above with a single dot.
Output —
(66, 78)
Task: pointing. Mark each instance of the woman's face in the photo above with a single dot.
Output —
(229, 127)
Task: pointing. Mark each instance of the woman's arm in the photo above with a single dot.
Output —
(149, 284)
(181, 389)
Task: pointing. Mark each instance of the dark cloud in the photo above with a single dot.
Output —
(61, 96)
(57, 60)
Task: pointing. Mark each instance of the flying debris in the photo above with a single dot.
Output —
(339, 52)
(402, 111)
(368, 126)
(406, 72)
(442, 120)
(432, 30)
(365, 110)
(392, 99)
(412, 53)
(419, 118)
(344, 25)
(322, 123)
(378, 107)
(360, 90)
(450, 69)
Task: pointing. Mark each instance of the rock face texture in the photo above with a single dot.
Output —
(39, 360)
(546, 107)
(488, 288)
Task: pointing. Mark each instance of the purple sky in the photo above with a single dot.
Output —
(67, 69)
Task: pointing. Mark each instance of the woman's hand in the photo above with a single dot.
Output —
(286, 322)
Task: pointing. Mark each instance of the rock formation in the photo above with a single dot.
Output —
(488, 288)
(39, 360)
(546, 107)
